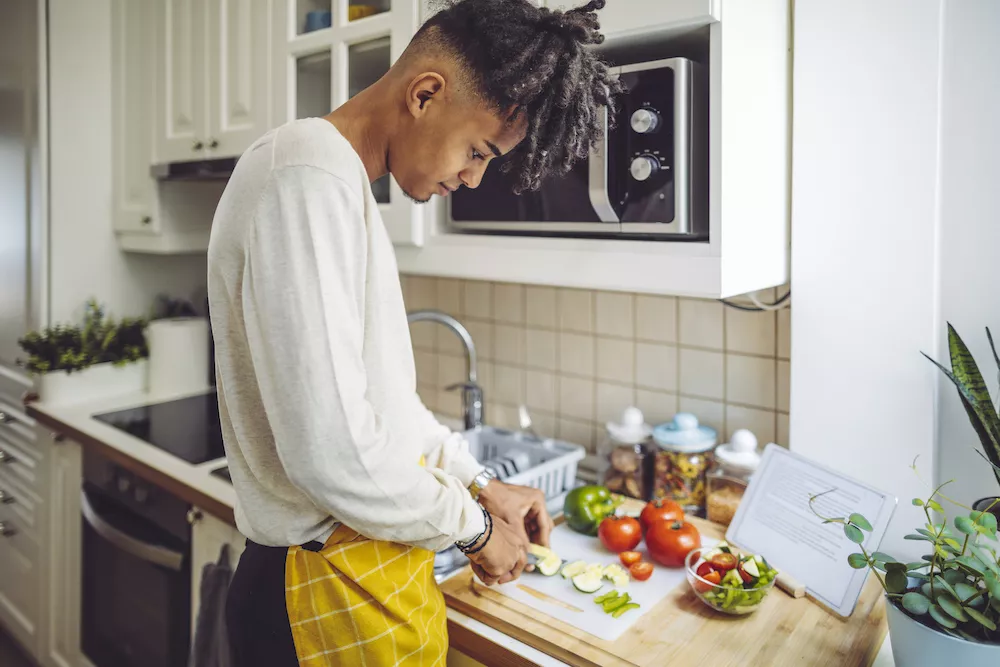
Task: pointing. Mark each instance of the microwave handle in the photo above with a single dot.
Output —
(600, 199)
(151, 553)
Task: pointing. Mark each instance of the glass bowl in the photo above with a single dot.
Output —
(734, 600)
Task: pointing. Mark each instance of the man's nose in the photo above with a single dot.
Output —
(472, 177)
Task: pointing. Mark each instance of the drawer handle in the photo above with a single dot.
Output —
(6, 498)
(213, 143)
(7, 418)
(6, 530)
(6, 457)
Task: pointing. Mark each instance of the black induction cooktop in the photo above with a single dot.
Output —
(188, 428)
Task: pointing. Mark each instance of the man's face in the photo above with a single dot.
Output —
(449, 143)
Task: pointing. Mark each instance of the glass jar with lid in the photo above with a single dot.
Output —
(626, 456)
(682, 460)
(734, 464)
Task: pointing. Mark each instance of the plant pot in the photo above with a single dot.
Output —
(92, 383)
(981, 504)
(915, 645)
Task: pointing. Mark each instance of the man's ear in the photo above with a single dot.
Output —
(422, 91)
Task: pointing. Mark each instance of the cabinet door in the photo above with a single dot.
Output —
(180, 54)
(238, 64)
(133, 87)
(208, 536)
(62, 551)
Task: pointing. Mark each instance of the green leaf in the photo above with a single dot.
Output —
(927, 533)
(985, 520)
(926, 590)
(941, 552)
(918, 575)
(895, 567)
(860, 522)
(927, 558)
(885, 558)
(915, 537)
(993, 585)
(854, 534)
(946, 585)
(986, 558)
(995, 603)
(935, 505)
(965, 525)
(915, 603)
(953, 577)
(917, 502)
(915, 566)
(942, 618)
(981, 619)
(965, 591)
(972, 564)
(953, 607)
(857, 561)
(953, 543)
(895, 581)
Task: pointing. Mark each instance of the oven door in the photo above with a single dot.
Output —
(136, 588)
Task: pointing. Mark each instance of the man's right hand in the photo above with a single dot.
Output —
(504, 557)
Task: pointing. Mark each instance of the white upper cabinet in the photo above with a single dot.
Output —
(623, 18)
(180, 73)
(238, 61)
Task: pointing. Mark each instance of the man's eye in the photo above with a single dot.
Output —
(476, 155)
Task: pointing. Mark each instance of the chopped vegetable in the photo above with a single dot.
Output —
(585, 583)
(616, 603)
(738, 590)
(629, 558)
(607, 596)
(621, 610)
(550, 565)
(641, 571)
(570, 570)
(723, 561)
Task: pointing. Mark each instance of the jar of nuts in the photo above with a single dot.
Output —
(734, 464)
(626, 456)
(684, 456)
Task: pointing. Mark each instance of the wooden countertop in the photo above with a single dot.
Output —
(681, 630)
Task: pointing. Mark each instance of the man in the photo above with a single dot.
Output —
(346, 484)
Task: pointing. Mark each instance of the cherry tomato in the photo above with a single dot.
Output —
(641, 570)
(712, 577)
(629, 558)
(620, 533)
(669, 542)
(660, 510)
(705, 568)
(723, 562)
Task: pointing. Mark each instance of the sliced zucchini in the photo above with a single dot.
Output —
(570, 570)
(620, 580)
(541, 552)
(550, 565)
(750, 567)
(586, 583)
(595, 570)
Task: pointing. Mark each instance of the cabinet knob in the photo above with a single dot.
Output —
(193, 516)
(6, 498)
(213, 143)
(5, 457)
(197, 146)
(147, 219)
(6, 418)
(6, 530)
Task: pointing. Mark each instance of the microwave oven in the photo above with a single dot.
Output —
(646, 178)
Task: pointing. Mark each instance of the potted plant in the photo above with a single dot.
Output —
(100, 358)
(975, 397)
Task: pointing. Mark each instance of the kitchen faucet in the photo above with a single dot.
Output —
(472, 393)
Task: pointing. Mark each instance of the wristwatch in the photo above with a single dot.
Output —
(480, 481)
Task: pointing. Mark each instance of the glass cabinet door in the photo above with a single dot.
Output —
(313, 85)
(359, 9)
(312, 15)
(366, 63)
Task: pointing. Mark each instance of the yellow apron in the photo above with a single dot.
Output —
(365, 602)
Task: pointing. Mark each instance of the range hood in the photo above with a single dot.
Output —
(194, 170)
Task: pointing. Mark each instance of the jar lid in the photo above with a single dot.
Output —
(632, 430)
(684, 435)
(741, 453)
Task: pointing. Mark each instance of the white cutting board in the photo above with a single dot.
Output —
(572, 546)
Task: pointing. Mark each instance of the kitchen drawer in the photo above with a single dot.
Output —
(20, 585)
(21, 462)
(20, 506)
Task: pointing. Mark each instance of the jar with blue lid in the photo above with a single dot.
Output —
(683, 459)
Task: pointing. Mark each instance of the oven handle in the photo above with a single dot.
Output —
(598, 175)
(152, 553)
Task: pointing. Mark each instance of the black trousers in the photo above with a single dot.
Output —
(256, 614)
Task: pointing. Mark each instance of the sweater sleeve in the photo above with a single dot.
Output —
(444, 448)
(303, 302)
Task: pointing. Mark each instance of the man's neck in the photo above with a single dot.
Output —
(367, 126)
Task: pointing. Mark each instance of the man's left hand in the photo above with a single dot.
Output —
(520, 506)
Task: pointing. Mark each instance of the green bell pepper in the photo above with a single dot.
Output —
(586, 506)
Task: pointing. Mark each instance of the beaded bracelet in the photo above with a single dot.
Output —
(466, 548)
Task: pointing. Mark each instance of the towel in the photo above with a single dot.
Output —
(210, 647)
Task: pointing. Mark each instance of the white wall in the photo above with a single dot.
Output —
(970, 224)
(84, 257)
(895, 227)
(864, 224)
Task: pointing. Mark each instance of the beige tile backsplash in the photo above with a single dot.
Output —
(577, 358)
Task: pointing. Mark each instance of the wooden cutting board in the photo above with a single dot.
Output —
(681, 630)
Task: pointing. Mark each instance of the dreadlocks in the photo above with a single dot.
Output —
(534, 61)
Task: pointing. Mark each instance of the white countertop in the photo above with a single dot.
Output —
(79, 416)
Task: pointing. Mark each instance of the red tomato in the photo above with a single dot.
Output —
(629, 558)
(712, 577)
(660, 510)
(620, 533)
(669, 542)
(641, 570)
(705, 568)
(723, 562)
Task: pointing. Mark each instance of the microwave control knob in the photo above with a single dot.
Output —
(644, 121)
(643, 167)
